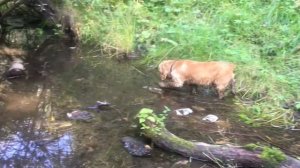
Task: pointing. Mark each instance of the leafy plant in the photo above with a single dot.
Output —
(297, 106)
(147, 115)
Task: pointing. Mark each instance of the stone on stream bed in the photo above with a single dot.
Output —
(211, 118)
(183, 111)
(16, 69)
(100, 105)
(80, 116)
(136, 147)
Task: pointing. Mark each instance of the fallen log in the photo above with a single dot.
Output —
(153, 127)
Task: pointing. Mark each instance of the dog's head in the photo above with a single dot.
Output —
(165, 68)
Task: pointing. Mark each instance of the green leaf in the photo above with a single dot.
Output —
(145, 111)
(297, 106)
(152, 119)
(167, 109)
(142, 120)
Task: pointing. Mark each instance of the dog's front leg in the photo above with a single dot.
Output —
(164, 84)
(169, 84)
(194, 88)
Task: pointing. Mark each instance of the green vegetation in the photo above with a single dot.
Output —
(153, 126)
(297, 106)
(273, 156)
(147, 115)
(252, 147)
(261, 37)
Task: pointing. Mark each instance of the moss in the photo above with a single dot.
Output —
(272, 156)
(252, 147)
(178, 141)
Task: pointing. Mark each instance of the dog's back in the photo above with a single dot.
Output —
(200, 73)
(204, 73)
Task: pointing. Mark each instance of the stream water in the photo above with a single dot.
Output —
(35, 131)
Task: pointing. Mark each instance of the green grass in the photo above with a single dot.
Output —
(259, 36)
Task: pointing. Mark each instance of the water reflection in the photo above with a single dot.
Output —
(23, 146)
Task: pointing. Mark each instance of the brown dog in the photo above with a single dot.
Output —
(180, 72)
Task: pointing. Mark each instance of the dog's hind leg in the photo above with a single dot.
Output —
(221, 90)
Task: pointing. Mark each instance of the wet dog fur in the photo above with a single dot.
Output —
(176, 73)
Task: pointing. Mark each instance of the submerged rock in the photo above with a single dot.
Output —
(80, 115)
(183, 111)
(99, 105)
(136, 147)
(211, 118)
(16, 69)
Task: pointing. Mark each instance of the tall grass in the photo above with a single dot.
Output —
(260, 36)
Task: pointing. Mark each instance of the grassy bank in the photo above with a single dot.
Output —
(261, 37)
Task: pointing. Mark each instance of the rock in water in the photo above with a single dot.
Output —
(100, 105)
(136, 147)
(16, 69)
(211, 118)
(80, 115)
(183, 111)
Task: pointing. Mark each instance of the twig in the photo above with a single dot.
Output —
(139, 71)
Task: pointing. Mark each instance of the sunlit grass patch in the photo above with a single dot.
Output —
(121, 36)
(111, 25)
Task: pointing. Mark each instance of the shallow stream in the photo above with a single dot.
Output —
(35, 130)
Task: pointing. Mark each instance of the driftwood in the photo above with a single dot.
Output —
(219, 154)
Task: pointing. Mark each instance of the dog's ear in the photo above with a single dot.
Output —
(163, 76)
(164, 69)
(162, 72)
(169, 75)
